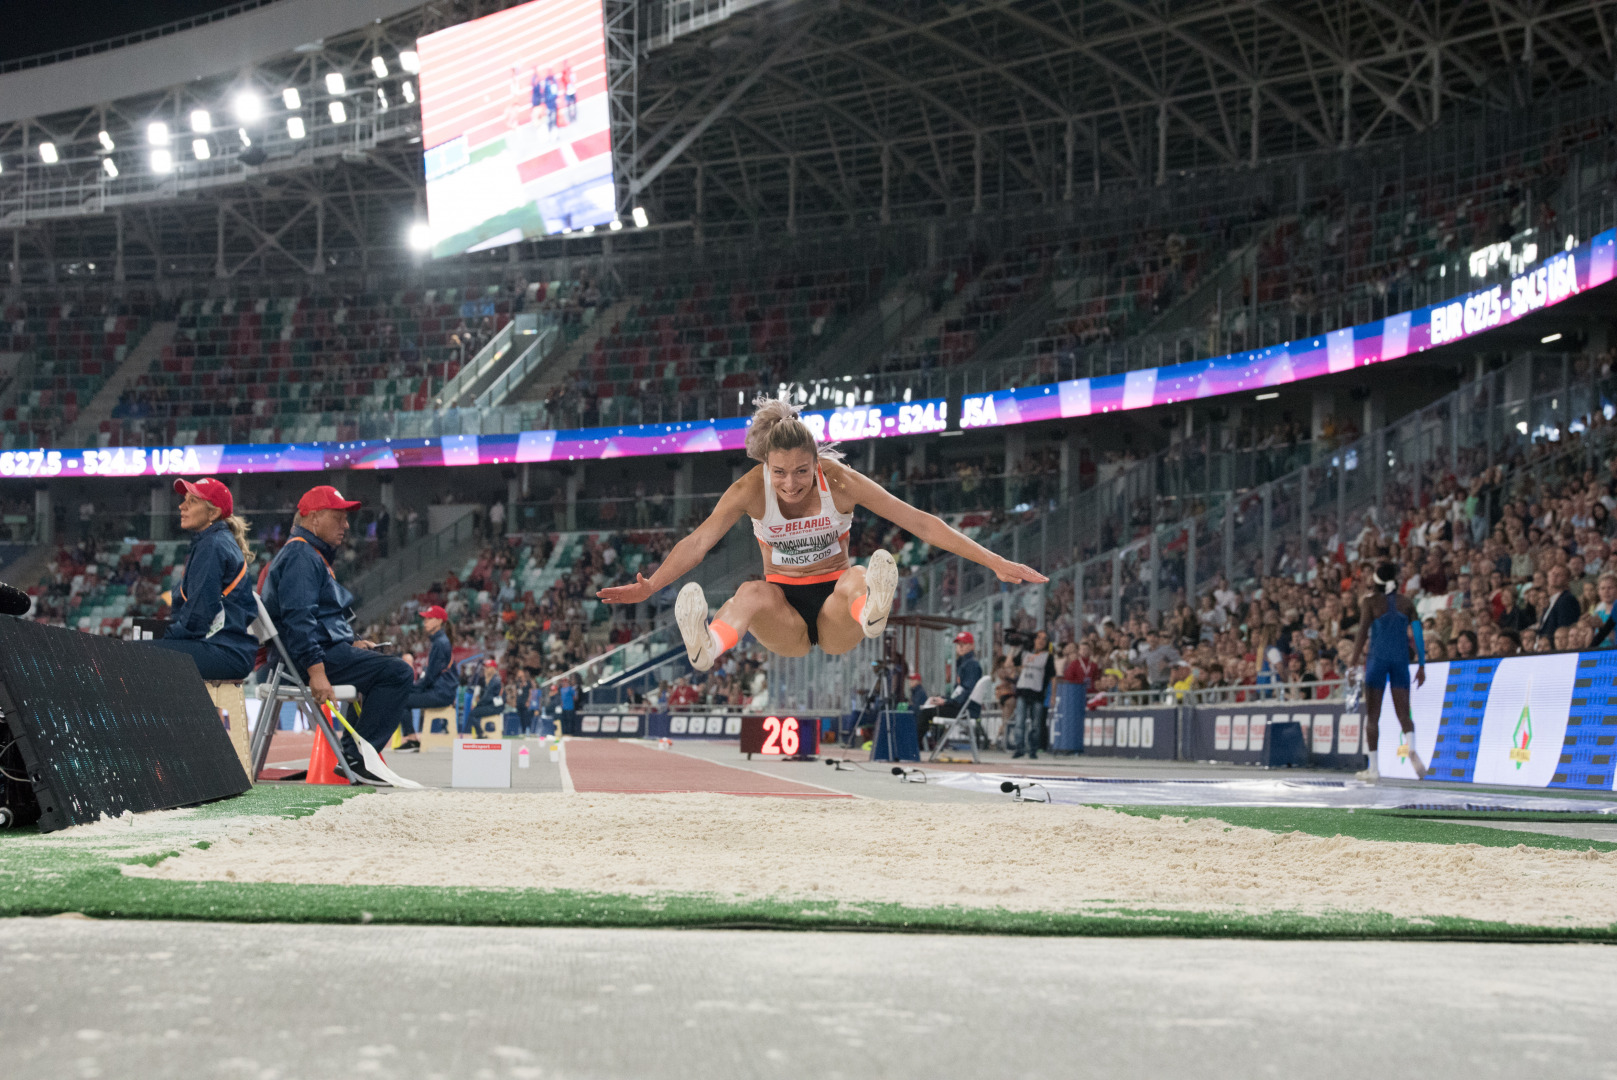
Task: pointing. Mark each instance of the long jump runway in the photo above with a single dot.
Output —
(635, 768)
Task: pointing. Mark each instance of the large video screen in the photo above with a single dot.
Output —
(1531, 721)
(514, 126)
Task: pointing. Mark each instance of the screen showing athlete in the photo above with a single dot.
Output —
(1391, 622)
(801, 499)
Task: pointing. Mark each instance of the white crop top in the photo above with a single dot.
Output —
(798, 542)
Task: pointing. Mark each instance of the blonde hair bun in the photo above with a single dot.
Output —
(778, 425)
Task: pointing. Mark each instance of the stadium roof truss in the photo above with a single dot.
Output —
(822, 112)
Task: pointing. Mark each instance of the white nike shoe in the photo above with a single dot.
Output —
(1373, 773)
(1418, 765)
(881, 581)
(690, 612)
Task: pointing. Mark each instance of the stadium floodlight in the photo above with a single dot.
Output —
(106, 141)
(1548, 338)
(407, 88)
(291, 98)
(335, 84)
(162, 161)
(409, 61)
(420, 236)
(339, 114)
(379, 66)
(109, 167)
(294, 127)
(381, 100)
(616, 224)
(247, 106)
(588, 229)
(246, 140)
(201, 149)
(640, 218)
(201, 121)
(157, 133)
(47, 153)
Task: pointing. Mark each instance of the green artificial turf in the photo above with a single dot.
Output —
(42, 877)
(1368, 825)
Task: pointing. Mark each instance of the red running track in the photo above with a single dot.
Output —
(607, 765)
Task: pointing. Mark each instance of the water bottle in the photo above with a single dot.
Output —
(522, 758)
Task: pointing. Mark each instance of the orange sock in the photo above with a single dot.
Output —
(724, 636)
(857, 608)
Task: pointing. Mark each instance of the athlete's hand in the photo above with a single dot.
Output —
(1016, 573)
(637, 593)
(1420, 675)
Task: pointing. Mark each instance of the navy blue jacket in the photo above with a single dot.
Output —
(309, 608)
(439, 676)
(485, 698)
(967, 671)
(214, 565)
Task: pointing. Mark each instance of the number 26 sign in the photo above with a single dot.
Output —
(776, 736)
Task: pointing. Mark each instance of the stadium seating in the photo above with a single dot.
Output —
(282, 370)
(706, 345)
(534, 593)
(69, 354)
(96, 587)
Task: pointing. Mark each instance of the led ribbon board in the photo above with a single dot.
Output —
(106, 726)
(586, 444)
(1555, 279)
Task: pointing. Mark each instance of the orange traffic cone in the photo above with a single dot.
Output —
(323, 763)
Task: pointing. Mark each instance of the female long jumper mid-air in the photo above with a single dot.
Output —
(801, 500)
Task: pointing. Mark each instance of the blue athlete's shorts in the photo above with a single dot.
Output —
(1378, 674)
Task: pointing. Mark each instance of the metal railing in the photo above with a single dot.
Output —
(626, 657)
(479, 365)
(546, 342)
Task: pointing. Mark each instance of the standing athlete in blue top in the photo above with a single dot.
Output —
(1391, 622)
(214, 605)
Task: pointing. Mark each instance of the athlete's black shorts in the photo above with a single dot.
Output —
(807, 600)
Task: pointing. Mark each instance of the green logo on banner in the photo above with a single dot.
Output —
(1521, 740)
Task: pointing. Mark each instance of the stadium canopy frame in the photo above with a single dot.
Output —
(776, 116)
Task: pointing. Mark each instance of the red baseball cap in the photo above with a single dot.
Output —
(964, 638)
(435, 612)
(324, 497)
(208, 490)
(915, 676)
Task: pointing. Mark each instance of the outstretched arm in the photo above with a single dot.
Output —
(686, 555)
(927, 527)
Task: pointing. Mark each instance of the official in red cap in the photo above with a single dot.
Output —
(314, 615)
(967, 672)
(436, 687)
(213, 605)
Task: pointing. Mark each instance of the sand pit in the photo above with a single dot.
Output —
(1019, 857)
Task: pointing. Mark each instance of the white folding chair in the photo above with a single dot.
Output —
(284, 685)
